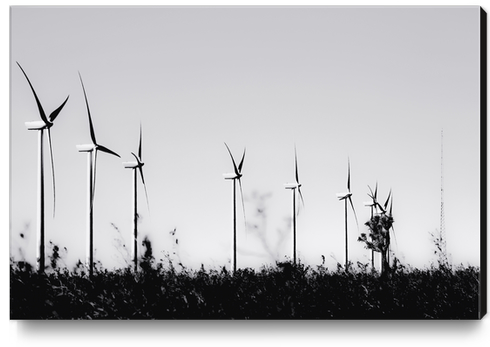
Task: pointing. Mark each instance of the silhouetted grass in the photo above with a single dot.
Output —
(285, 291)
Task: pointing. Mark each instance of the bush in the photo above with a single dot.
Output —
(284, 291)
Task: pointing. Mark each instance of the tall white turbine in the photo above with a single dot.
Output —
(91, 150)
(236, 175)
(293, 187)
(40, 126)
(136, 165)
(347, 196)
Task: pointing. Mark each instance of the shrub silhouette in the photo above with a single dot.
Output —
(283, 291)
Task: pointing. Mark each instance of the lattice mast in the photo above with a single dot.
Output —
(442, 228)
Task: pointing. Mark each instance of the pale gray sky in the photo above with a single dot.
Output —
(373, 84)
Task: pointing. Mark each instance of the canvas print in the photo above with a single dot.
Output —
(247, 162)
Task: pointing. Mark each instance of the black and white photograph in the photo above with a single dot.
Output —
(247, 163)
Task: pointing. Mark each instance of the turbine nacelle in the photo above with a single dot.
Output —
(38, 125)
(342, 196)
(292, 185)
(231, 176)
(86, 148)
(130, 164)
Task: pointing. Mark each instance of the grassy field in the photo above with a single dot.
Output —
(284, 291)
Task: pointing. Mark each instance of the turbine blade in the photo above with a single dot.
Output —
(55, 113)
(394, 235)
(233, 160)
(144, 185)
(353, 209)
(376, 191)
(139, 148)
(372, 194)
(391, 215)
(140, 169)
(91, 126)
(387, 200)
(348, 174)
(296, 166)
(243, 203)
(137, 159)
(391, 206)
(241, 161)
(107, 150)
(39, 106)
(301, 196)
(52, 170)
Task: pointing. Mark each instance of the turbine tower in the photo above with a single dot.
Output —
(384, 211)
(293, 187)
(236, 175)
(390, 214)
(136, 165)
(373, 206)
(91, 150)
(40, 126)
(347, 196)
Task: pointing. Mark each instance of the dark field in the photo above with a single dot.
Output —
(285, 291)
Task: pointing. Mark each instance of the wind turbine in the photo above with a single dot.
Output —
(40, 126)
(347, 196)
(138, 164)
(236, 175)
(384, 212)
(374, 205)
(293, 187)
(91, 150)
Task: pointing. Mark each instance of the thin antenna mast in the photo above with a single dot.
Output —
(442, 228)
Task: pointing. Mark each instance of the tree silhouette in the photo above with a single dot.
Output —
(379, 238)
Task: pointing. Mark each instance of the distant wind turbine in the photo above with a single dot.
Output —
(91, 150)
(138, 164)
(293, 187)
(40, 126)
(385, 212)
(374, 204)
(236, 175)
(347, 196)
